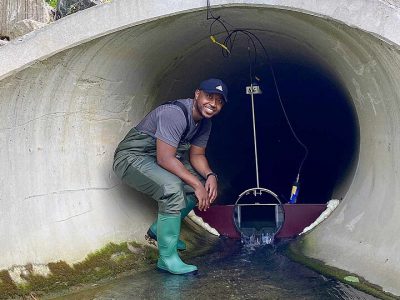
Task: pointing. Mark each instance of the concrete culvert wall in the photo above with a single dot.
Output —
(72, 90)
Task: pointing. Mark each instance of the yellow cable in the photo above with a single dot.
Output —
(218, 43)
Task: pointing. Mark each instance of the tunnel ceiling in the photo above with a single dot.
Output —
(156, 65)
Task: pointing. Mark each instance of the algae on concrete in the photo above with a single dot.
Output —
(7, 287)
(295, 252)
(107, 262)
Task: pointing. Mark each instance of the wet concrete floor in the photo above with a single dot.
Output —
(231, 271)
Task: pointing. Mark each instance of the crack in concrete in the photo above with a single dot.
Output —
(62, 114)
(70, 217)
(73, 191)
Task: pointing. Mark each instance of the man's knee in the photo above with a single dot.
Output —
(172, 198)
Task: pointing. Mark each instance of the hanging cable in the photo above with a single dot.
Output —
(227, 48)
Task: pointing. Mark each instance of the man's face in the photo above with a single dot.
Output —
(208, 105)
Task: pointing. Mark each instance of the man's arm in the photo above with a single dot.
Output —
(167, 160)
(199, 162)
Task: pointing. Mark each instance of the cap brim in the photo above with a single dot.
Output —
(216, 92)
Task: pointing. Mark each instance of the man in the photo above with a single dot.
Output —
(164, 157)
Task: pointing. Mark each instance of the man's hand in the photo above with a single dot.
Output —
(212, 188)
(202, 197)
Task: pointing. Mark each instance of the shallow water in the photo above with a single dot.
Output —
(231, 271)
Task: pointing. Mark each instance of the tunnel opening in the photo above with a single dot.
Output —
(323, 118)
(318, 105)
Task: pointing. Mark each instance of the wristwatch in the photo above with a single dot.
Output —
(212, 174)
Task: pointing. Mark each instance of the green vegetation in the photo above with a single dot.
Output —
(107, 262)
(111, 261)
(7, 286)
(53, 3)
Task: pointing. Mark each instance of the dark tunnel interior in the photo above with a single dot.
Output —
(322, 116)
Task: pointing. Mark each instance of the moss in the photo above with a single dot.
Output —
(107, 262)
(7, 286)
(53, 3)
(194, 236)
(295, 252)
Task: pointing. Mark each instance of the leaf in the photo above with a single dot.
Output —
(352, 279)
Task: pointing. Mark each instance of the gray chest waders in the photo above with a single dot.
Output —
(175, 199)
(146, 176)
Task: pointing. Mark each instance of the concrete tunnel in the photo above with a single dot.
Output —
(72, 90)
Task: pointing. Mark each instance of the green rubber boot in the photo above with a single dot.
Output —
(181, 246)
(168, 229)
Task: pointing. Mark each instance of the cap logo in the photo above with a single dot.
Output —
(219, 88)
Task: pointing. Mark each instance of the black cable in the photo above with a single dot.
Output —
(229, 43)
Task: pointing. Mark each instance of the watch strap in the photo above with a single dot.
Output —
(212, 174)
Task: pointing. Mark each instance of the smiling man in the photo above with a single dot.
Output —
(164, 157)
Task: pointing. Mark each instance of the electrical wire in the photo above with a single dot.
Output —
(227, 48)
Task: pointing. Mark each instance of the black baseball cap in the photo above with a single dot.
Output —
(215, 86)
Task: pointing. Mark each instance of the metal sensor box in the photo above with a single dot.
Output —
(253, 89)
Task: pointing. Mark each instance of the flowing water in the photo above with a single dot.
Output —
(233, 270)
(257, 238)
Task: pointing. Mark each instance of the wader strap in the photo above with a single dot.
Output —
(183, 108)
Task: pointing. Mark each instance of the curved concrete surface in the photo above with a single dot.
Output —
(72, 90)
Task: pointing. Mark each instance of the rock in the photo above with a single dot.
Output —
(17, 274)
(51, 12)
(12, 11)
(25, 26)
(118, 256)
(3, 42)
(134, 249)
(67, 7)
(42, 270)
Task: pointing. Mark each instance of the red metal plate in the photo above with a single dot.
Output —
(297, 217)
(221, 218)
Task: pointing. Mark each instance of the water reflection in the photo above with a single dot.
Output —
(232, 271)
